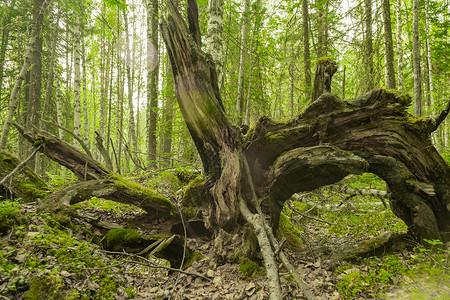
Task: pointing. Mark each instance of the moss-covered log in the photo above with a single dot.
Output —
(113, 188)
(25, 184)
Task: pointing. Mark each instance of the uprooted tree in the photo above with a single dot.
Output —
(250, 174)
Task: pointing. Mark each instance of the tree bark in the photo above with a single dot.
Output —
(28, 60)
(429, 74)
(152, 77)
(416, 62)
(325, 69)
(243, 54)
(399, 46)
(77, 77)
(214, 36)
(369, 47)
(306, 54)
(388, 46)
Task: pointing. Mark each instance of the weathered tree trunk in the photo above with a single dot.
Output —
(328, 141)
(201, 105)
(325, 69)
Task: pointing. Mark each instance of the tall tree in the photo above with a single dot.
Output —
(388, 45)
(429, 73)
(416, 62)
(369, 45)
(214, 36)
(33, 44)
(322, 26)
(77, 77)
(131, 124)
(306, 54)
(399, 46)
(152, 77)
(243, 54)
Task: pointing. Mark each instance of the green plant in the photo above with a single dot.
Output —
(249, 269)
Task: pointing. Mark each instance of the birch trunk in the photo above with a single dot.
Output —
(214, 36)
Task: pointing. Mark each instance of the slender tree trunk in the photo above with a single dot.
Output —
(77, 78)
(152, 78)
(119, 106)
(369, 47)
(306, 54)
(322, 24)
(85, 98)
(59, 111)
(104, 65)
(399, 46)
(388, 46)
(243, 51)
(416, 62)
(131, 125)
(214, 36)
(5, 39)
(169, 113)
(34, 39)
(50, 80)
(430, 99)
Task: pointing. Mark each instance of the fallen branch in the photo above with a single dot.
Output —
(150, 263)
(440, 118)
(20, 166)
(75, 136)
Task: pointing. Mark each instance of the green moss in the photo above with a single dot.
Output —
(32, 190)
(194, 257)
(402, 98)
(119, 239)
(289, 231)
(249, 269)
(192, 196)
(322, 60)
(10, 215)
(139, 191)
(48, 286)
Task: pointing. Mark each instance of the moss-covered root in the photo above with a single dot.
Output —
(163, 246)
(25, 184)
(47, 286)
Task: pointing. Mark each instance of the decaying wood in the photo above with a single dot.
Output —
(83, 166)
(19, 181)
(325, 69)
(20, 166)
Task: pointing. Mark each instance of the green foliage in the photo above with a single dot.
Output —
(10, 215)
(288, 230)
(47, 286)
(119, 239)
(250, 269)
(107, 205)
(375, 274)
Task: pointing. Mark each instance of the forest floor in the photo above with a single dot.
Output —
(53, 257)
